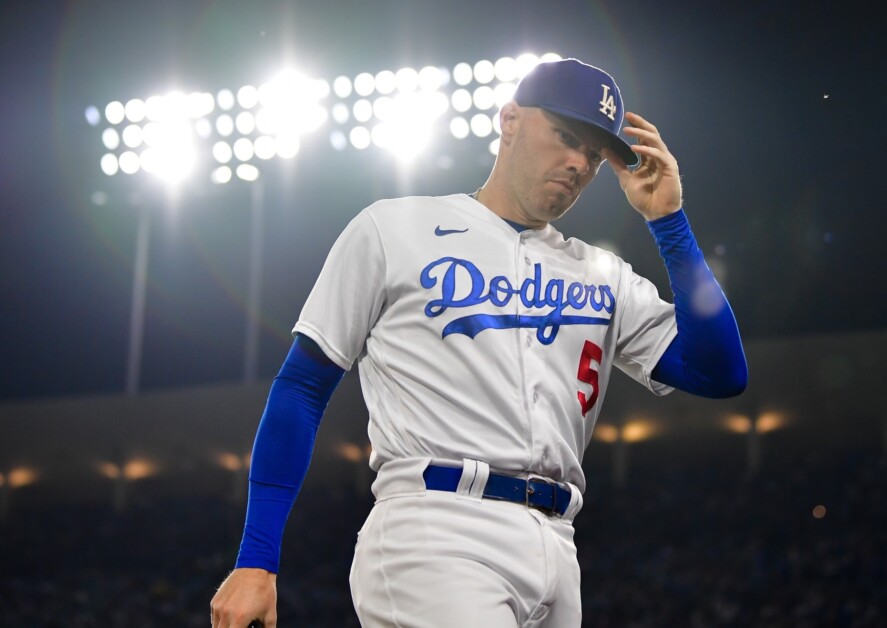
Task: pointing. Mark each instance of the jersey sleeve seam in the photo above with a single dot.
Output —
(317, 336)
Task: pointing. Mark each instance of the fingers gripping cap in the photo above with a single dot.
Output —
(579, 91)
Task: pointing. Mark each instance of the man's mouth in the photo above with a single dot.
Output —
(565, 186)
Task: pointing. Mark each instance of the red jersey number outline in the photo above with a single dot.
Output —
(588, 374)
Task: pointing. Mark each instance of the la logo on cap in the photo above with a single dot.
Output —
(608, 103)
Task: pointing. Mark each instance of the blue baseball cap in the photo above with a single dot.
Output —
(579, 91)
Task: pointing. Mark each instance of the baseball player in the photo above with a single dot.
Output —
(486, 341)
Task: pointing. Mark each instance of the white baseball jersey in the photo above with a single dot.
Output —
(476, 341)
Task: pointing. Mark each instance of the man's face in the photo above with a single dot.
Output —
(552, 159)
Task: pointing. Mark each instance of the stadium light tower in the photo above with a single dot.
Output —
(155, 136)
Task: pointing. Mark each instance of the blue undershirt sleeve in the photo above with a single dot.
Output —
(706, 357)
(283, 447)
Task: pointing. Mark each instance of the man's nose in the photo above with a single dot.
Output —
(579, 163)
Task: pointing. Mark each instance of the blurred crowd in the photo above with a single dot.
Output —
(802, 544)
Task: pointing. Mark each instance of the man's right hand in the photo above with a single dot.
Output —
(246, 595)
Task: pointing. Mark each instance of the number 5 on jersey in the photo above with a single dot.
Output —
(588, 374)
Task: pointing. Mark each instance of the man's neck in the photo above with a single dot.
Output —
(493, 198)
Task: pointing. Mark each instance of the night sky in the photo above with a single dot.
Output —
(773, 110)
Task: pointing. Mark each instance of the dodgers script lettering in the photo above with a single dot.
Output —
(462, 284)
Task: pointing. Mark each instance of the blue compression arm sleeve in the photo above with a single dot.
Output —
(706, 358)
(282, 449)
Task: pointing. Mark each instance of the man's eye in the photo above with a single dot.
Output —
(568, 139)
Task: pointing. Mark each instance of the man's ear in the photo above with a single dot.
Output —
(509, 121)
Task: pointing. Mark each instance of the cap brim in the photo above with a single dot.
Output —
(619, 146)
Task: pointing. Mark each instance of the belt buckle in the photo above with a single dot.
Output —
(549, 510)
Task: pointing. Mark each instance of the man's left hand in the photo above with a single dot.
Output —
(654, 187)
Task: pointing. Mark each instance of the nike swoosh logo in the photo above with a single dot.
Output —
(442, 232)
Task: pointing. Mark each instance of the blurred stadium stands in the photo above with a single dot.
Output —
(126, 511)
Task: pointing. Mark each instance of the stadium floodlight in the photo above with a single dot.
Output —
(400, 111)
(93, 117)
(291, 104)
(459, 128)
(525, 63)
(265, 147)
(407, 80)
(154, 108)
(165, 143)
(247, 172)
(406, 128)
(481, 125)
(152, 134)
(243, 149)
(386, 82)
(364, 84)
(225, 99)
(341, 113)
(287, 145)
(109, 164)
(220, 175)
(484, 71)
(225, 125)
(203, 128)
(135, 110)
(133, 136)
(342, 87)
(175, 151)
(502, 93)
(360, 137)
(432, 78)
(110, 138)
(338, 140)
(115, 112)
(248, 96)
(199, 104)
(245, 123)
(505, 69)
(463, 74)
(462, 100)
(484, 97)
(384, 108)
(363, 110)
(129, 162)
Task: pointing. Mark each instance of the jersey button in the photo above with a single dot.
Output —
(535, 396)
(529, 339)
(527, 260)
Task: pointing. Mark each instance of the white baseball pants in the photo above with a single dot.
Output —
(435, 559)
